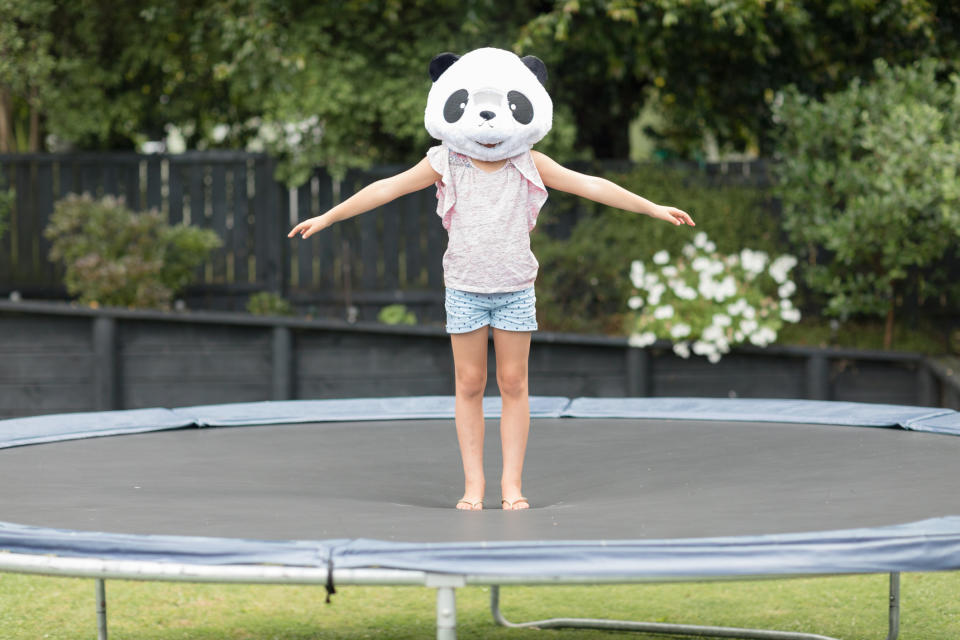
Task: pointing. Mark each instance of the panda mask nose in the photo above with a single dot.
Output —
(488, 115)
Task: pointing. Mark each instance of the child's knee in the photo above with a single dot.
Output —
(471, 382)
(512, 380)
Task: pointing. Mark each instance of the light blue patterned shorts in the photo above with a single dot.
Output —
(512, 311)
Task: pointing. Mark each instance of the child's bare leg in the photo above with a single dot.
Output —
(470, 366)
(513, 350)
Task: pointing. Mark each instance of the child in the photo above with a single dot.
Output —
(488, 108)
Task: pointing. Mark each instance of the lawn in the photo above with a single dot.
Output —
(847, 607)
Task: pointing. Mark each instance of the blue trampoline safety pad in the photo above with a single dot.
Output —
(52, 428)
(928, 545)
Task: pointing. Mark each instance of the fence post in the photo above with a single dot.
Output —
(638, 372)
(818, 377)
(282, 363)
(106, 395)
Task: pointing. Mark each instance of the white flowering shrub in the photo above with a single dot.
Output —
(706, 302)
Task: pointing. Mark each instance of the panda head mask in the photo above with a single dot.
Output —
(488, 104)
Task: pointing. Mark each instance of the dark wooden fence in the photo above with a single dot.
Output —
(60, 358)
(391, 255)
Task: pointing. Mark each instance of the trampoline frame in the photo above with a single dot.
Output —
(86, 564)
(445, 584)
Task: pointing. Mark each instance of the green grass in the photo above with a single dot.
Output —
(849, 607)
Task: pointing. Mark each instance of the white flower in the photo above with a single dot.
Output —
(670, 271)
(641, 340)
(781, 266)
(635, 302)
(709, 247)
(700, 240)
(748, 326)
(702, 348)
(661, 257)
(680, 330)
(790, 315)
(738, 336)
(686, 293)
(786, 289)
(636, 273)
(737, 307)
(749, 312)
(763, 336)
(663, 313)
(714, 357)
(650, 280)
(701, 264)
(653, 296)
(754, 262)
(708, 287)
(721, 320)
(682, 349)
(713, 333)
(689, 251)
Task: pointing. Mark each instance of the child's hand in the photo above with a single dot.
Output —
(672, 215)
(309, 227)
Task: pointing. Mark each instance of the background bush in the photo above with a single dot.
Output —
(871, 193)
(267, 303)
(116, 257)
(584, 282)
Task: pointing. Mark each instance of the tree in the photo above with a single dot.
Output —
(870, 187)
(718, 66)
(26, 71)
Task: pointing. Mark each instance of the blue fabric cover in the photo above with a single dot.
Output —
(770, 410)
(352, 409)
(73, 426)
(928, 545)
(40, 429)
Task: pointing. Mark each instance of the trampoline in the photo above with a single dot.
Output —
(360, 491)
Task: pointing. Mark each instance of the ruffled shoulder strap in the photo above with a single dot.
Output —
(441, 158)
(537, 194)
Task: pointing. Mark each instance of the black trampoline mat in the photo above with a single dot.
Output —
(587, 479)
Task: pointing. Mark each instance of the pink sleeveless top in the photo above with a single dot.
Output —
(488, 217)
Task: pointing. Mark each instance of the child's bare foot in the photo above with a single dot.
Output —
(513, 499)
(469, 505)
(515, 505)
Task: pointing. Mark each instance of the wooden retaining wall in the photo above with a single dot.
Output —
(57, 358)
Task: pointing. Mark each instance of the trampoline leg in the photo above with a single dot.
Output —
(446, 613)
(446, 586)
(894, 619)
(684, 629)
(101, 610)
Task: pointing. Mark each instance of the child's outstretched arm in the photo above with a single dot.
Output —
(603, 191)
(370, 197)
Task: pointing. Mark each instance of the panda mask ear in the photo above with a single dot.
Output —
(536, 65)
(441, 63)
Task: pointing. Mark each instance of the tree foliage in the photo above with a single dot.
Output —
(718, 65)
(870, 187)
(343, 83)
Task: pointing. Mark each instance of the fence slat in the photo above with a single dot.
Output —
(218, 219)
(241, 226)
(390, 219)
(26, 233)
(47, 269)
(175, 210)
(154, 189)
(305, 250)
(324, 245)
(6, 238)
